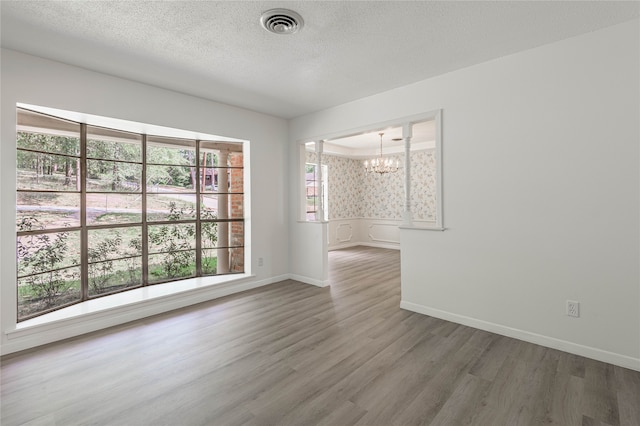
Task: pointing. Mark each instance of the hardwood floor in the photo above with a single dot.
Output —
(292, 353)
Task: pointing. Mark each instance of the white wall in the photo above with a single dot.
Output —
(32, 80)
(541, 193)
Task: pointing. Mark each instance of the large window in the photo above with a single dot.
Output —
(101, 211)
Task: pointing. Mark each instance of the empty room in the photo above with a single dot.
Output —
(320, 213)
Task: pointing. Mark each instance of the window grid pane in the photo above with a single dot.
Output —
(49, 210)
(37, 171)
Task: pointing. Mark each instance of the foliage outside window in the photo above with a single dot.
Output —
(101, 211)
(312, 191)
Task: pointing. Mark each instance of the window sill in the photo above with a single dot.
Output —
(123, 301)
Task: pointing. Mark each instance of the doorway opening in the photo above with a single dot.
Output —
(364, 208)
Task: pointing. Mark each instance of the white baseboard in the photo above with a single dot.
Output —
(382, 245)
(343, 246)
(26, 338)
(550, 342)
(308, 280)
(377, 245)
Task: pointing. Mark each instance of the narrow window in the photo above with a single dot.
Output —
(312, 191)
(48, 183)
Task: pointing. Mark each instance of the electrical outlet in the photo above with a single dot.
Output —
(260, 261)
(573, 308)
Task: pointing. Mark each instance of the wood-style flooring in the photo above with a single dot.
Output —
(294, 354)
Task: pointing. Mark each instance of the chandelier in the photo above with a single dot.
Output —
(381, 165)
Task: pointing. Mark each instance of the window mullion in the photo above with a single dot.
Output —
(198, 201)
(145, 239)
(84, 238)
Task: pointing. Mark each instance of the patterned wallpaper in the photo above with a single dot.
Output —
(344, 180)
(353, 193)
(383, 195)
(423, 185)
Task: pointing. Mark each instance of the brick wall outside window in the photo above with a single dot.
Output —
(237, 210)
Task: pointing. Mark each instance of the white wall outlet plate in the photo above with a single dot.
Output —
(573, 308)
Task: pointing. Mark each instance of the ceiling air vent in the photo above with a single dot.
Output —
(281, 21)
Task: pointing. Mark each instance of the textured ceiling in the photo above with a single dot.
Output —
(347, 49)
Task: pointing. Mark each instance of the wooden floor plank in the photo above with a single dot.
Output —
(628, 385)
(600, 393)
(462, 403)
(563, 406)
(290, 353)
